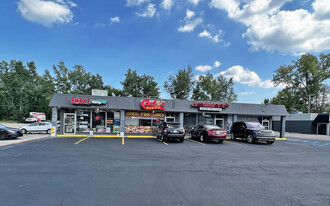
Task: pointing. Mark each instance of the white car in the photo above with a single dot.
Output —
(37, 127)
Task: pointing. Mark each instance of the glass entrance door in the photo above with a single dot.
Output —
(219, 123)
(69, 119)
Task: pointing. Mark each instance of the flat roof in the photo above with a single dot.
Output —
(171, 105)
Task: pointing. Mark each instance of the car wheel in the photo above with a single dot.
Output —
(232, 136)
(23, 131)
(270, 142)
(181, 140)
(201, 138)
(250, 139)
(48, 131)
(220, 141)
(3, 136)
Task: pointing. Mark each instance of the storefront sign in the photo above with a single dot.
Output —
(145, 114)
(209, 105)
(153, 104)
(87, 101)
(158, 115)
(210, 109)
(83, 101)
(98, 92)
(132, 114)
(99, 101)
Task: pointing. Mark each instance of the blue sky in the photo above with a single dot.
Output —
(246, 40)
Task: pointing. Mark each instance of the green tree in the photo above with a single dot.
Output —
(209, 88)
(303, 79)
(139, 86)
(61, 80)
(180, 86)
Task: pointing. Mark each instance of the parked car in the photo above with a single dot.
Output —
(37, 127)
(170, 131)
(252, 132)
(205, 133)
(9, 133)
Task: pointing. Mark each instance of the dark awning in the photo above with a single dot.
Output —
(322, 118)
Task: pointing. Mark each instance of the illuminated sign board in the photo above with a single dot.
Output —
(87, 101)
(153, 104)
(205, 106)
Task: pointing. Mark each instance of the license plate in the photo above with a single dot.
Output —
(218, 132)
(175, 131)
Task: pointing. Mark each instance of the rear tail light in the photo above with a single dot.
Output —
(165, 130)
(183, 131)
(209, 132)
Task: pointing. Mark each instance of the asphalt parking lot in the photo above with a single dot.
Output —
(103, 171)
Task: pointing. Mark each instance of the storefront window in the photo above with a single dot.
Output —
(83, 120)
(206, 119)
(98, 121)
(142, 121)
(69, 119)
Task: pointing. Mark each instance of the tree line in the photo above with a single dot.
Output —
(305, 84)
(23, 90)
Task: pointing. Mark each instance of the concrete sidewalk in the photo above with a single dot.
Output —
(304, 136)
(25, 138)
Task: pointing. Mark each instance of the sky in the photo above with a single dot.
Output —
(246, 40)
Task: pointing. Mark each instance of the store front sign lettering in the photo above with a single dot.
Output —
(87, 101)
(83, 101)
(152, 105)
(209, 105)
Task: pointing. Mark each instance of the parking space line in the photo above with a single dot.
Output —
(196, 142)
(162, 141)
(234, 143)
(81, 140)
(123, 141)
(142, 137)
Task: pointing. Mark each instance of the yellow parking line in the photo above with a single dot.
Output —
(196, 142)
(228, 137)
(162, 142)
(123, 141)
(280, 138)
(72, 135)
(233, 143)
(106, 136)
(81, 140)
(146, 137)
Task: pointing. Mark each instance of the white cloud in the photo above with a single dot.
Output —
(46, 12)
(204, 68)
(216, 64)
(205, 34)
(190, 25)
(189, 14)
(149, 12)
(136, 2)
(246, 76)
(115, 19)
(270, 28)
(167, 4)
(194, 2)
(216, 38)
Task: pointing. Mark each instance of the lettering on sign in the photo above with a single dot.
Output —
(145, 114)
(210, 105)
(83, 101)
(153, 104)
(132, 114)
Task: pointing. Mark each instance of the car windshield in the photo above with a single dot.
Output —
(174, 126)
(254, 125)
(212, 127)
(2, 126)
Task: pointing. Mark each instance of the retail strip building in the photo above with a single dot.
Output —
(90, 114)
